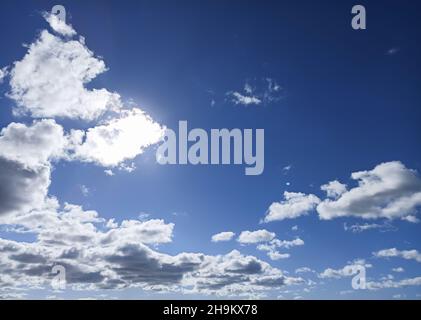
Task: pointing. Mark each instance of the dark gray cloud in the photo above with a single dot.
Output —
(22, 188)
(28, 258)
(136, 263)
(245, 267)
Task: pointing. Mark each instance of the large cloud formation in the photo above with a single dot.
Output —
(390, 191)
(96, 256)
(49, 82)
(22, 188)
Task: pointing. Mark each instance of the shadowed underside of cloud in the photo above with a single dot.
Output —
(49, 82)
(346, 271)
(21, 188)
(25, 154)
(96, 254)
(100, 258)
(255, 236)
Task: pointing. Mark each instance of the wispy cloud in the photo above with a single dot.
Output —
(255, 92)
(393, 252)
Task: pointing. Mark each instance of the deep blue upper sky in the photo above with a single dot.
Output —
(348, 105)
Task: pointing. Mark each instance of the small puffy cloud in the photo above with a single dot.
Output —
(335, 273)
(50, 81)
(109, 172)
(398, 270)
(389, 191)
(393, 252)
(296, 204)
(119, 139)
(247, 237)
(223, 236)
(334, 189)
(275, 255)
(59, 25)
(22, 188)
(348, 270)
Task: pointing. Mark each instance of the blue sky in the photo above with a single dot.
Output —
(348, 102)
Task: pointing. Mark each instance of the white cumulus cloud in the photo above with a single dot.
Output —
(296, 204)
(59, 26)
(33, 145)
(389, 191)
(334, 189)
(257, 236)
(50, 81)
(393, 252)
(223, 236)
(119, 139)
